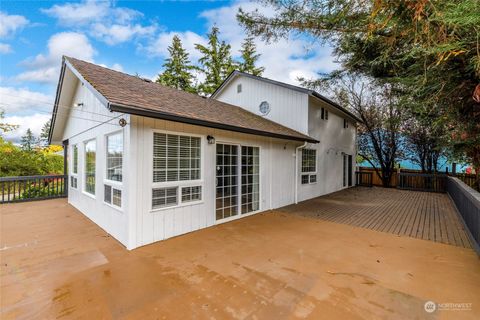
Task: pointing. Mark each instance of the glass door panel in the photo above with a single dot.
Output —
(227, 181)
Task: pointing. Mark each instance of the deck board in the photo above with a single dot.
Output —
(422, 215)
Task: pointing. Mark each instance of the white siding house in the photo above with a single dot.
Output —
(147, 162)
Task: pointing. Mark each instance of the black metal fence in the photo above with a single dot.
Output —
(28, 188)
(422, 182)
(364, 179)
(467, 201)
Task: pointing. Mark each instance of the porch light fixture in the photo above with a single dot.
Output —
(210, 139)
(78, 104)
(122, 122)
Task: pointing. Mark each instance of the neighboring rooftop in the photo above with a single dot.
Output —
(309, 92)
(134, 95)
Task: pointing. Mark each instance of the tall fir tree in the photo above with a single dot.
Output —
(44, 134)
(177, 68)
(216, 62)
(249, 58)
(28, 141)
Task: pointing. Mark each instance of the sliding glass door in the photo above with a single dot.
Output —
(237, 180)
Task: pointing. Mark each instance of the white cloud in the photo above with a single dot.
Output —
(5, 48)
(45, 67)
(102, 20)
(9, 24)
(115, 34)
(14, 100)
(159, 47)
(33, 122)
(285, 60)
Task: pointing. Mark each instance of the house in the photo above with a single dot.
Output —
(147, 162)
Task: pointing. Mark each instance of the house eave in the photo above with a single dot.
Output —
(170, 117)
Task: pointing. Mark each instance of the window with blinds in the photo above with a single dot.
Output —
(191, 194)
(175, 158)
(164, 197)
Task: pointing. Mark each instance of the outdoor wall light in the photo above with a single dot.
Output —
(122, 122)
(79, 104)
(210, 139)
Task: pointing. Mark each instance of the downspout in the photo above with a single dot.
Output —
(65, 167)
(296, 169)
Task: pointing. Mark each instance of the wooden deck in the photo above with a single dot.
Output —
(423, 215)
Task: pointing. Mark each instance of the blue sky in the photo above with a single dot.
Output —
(130, 36)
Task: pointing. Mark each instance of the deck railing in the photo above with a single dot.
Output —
(467, 201)
(363, 178)
(422, 182)
(28, 188)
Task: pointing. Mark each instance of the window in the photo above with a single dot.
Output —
(175, 158)
(114, 156)
(239, 88)
(309, 160)
(112, 196)
(176, 170)
(345, 123)
(90, 155)
(191, 194)
(305, 178)
(164, 197)
(75, 159)
(73, 182)
(74, 177)
(309, 165)
(324, 114)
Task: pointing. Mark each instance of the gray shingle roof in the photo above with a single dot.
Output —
(134, 95)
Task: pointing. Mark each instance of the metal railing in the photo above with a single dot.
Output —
(467, 202)
(28, 188)
(364, 179)
(422, 182)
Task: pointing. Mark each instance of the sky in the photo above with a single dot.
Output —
(128, 36)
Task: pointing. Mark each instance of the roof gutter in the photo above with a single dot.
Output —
(170, 117)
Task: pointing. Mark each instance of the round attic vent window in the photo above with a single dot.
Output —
(264, 108)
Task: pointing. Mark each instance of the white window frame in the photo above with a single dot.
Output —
(181, 183)
(309, 173)
(72, 165)
(112, 183)
(84, 184)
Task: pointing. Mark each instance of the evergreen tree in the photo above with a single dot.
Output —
(28, 141)
(216, 62)
(44, 134)
(249, 58)
(177, 69)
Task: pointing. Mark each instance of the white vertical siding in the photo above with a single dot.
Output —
(288, 107)
(276, 166)
(83, 124)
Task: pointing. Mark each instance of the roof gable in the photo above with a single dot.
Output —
(309, 92)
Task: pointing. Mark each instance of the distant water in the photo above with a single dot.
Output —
(407, 164)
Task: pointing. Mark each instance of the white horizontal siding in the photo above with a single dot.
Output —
(288, 107)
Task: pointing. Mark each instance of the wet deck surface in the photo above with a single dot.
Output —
(422, 215)
(56, 264)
